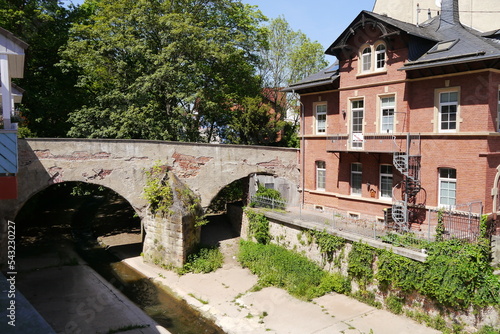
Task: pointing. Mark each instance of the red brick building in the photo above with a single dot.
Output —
(408, 119)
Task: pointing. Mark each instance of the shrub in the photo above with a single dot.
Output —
(205, 261)
(334, 282)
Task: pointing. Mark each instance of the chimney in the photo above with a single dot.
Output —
(449, 14)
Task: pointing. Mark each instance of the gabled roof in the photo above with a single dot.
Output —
(441, 41)
(323, 80)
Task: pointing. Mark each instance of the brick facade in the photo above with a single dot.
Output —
(470, 150)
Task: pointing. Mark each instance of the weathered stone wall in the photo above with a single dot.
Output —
(171, 236)
(292, 236)
(120, 165)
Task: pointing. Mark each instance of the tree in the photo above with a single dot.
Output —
(163, 69)
(50, 92)
(290, 56)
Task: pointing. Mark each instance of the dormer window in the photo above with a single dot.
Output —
(373, 58)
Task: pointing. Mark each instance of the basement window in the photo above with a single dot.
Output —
(443, 46)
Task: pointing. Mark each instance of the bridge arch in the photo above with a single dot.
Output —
(120, 165)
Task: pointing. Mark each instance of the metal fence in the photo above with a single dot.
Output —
(459, 222)
(266, 202)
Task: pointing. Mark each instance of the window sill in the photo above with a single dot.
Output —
(371, 73)
(352, 197)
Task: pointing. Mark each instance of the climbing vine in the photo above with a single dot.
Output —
(328, 244)
(440, 225)
(360, 263)
(157, 191)
(258, 227)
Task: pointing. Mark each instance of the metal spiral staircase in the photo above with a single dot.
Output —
(403, 193)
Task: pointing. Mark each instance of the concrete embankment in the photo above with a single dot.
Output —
(226, 296)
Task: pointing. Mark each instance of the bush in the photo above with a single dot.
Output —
(204, 261)
(334, 282)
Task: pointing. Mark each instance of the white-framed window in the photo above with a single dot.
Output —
(356, 178)
(448, 111)
(386, 181)
(320, 175)
(366, 59)
(357, 117)
(387, 108)
(373, 58)
(320, 111)
(380, 57)
(447, 187)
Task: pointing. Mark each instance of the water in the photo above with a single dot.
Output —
(167, 310)
(54, 218)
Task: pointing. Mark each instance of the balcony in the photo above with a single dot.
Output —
(368, 142)
(8, 152)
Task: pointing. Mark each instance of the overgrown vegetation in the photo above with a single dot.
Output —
(360, 263)
(158, 192)
(328, 244)
(277, 266)
(206, 260)
(258, 227)
(456, 275)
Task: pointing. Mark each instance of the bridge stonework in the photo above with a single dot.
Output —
(120, 165)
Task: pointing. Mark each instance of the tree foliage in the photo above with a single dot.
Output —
(290, 56)
(50, 92)
(163, 69)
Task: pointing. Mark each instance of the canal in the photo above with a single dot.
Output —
(58, 245)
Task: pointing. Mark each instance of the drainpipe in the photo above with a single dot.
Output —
(302, 152)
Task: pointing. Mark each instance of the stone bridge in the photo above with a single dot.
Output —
(120, 165)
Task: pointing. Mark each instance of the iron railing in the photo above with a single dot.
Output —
(267, 202)
(369, 142)
(460, 221)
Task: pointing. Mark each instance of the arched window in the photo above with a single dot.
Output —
(366, 59)
(380, 57)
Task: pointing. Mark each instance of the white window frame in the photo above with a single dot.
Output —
(442, 105)
(320, 175)
(366, 59)
(320, 126)
(356, 171)
(384, 175)
(387, 108)
(379, 59)
(444, 192)
(356, 140)
(372, 58)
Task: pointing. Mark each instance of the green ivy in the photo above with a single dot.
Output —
(456, 274)
(158, 192)
(440, 225)
(328, 244)
(258, 226)
(360, 263)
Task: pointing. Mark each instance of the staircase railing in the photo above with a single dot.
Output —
(408, 164)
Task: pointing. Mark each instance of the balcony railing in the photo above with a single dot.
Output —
(8, 152)
(368, 142)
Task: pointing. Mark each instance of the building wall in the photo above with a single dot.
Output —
(479, 14)
(471, 150)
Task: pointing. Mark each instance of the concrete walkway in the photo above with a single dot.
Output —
(74, 299)
(226, 297)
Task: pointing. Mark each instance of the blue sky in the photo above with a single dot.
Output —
(320, 20)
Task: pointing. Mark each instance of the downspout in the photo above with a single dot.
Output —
(302, 152)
